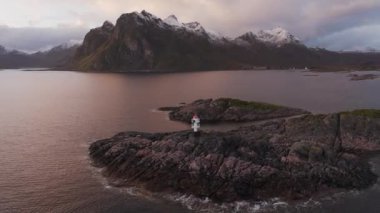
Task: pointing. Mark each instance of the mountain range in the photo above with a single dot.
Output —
(140, 41)
(57, 57)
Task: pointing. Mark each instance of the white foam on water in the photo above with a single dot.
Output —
(156, 111)
(207, 205)
(83, 145)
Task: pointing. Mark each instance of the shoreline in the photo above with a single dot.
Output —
(312, 70)
(139, 168)
(31, 69)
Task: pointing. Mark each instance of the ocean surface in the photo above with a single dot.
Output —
(49, 118)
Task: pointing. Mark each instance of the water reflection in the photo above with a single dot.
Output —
(47, 120)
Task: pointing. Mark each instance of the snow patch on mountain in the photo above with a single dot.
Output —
(146, 17)
(194, 27)
(276, 36)
(173, 21)
(217, 37)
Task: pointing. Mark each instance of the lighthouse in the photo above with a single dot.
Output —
(195, 123)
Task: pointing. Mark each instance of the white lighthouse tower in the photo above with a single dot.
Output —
(195, 123)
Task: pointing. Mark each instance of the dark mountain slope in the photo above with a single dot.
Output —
(57, 57)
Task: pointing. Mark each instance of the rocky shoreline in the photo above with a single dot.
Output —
(289, 158)
(356, 77)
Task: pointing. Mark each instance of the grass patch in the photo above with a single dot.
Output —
(250, 104)
(87, 62)
(371, 113)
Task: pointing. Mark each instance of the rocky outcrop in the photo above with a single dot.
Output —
(95, 38)
(356, 77)
(290, 158)
(230, 110)
(141, 41)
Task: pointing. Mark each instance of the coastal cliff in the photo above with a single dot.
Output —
(291, 158)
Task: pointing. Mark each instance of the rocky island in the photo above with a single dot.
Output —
(292, 158)
(230, 110)
(356, 77)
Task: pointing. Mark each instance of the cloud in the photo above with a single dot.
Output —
(31, 39)
(362, 38)
(314, 21)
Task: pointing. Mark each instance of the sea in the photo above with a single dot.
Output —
(48, 119)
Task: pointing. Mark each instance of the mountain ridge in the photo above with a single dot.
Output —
(142, 41)
(57, 57)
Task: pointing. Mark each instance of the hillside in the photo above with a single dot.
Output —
(57, 57)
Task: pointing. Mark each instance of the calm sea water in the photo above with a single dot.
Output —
(48, 119)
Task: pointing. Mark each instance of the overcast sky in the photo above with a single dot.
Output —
(333, 24)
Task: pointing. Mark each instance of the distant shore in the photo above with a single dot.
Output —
(216, 70)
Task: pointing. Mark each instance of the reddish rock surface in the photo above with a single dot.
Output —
(293, 158)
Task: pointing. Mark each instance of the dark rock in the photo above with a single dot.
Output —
(293, 158)
(167, 108)
(226, 109)
(360, 131)
(94, 39)
(356, 77)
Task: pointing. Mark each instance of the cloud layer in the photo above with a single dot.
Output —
(32, 39)
(332, 24)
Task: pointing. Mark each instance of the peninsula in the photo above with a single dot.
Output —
(292, 158)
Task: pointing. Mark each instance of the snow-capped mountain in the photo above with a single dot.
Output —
(276, 36)
(194, 27)
(172, 20)
(142, 41)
